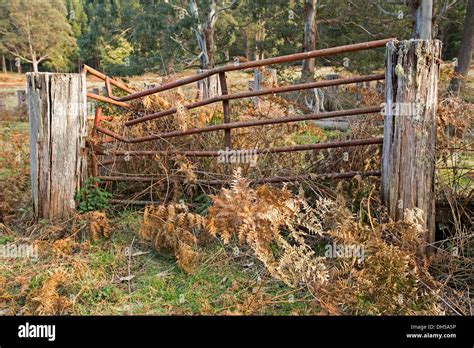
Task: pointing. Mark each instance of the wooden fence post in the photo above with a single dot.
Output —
(58, 116)
(408, 159)
(226, 111)
(257, 80)
(21, 97)
(208, 87)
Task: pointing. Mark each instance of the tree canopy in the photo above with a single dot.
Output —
(124, 37)
(36, 31)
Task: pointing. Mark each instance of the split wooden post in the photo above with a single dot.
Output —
(58, 130)
(226, 111)
(257, 80)
(208, 87)
(408, 160)
(21, 97)
(225, 108)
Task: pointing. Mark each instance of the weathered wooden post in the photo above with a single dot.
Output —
(208, 87)
(332, 93)
(57, 113)
(408, 160)
(21, 97)
(257, 81)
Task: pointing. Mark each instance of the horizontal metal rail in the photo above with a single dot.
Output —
(277, 179)
(259, 63)
(232, 125)
(112, 134)
(92, 71)
(108, 100)
(308, 147)
(282, 89)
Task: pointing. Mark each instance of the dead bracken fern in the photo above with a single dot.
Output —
(172, 228)
(259, 218)
(48, 300)
(391, 278)
(94, 223)
(285, 233)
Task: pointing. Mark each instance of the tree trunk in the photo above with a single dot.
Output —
(408, 159)
(257, 80)
(205, 32)
(208, 87)
(423, 10)
(260, 35)
(249, 47)
(465, 51)
(307, 73)
(35, 65)
(58, 129)
(169, 65)
(208, 34)
(4, 64)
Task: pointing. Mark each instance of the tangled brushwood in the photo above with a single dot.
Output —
(177, 176)
(258, 217)
(94, 224)
(291, 237)
(287, 235)
(173, 228)
(48, 298)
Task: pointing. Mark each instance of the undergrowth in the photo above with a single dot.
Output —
(283, 231)
(241, 249)
(91, 196)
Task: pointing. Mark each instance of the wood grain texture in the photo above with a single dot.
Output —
(57, 112)
(408, 160)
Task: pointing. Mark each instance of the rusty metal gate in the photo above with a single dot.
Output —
(225, 97)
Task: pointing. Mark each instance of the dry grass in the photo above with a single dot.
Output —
(14, 166)
(12, 80)
(269, 258)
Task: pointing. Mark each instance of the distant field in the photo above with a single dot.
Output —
(10, 83)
